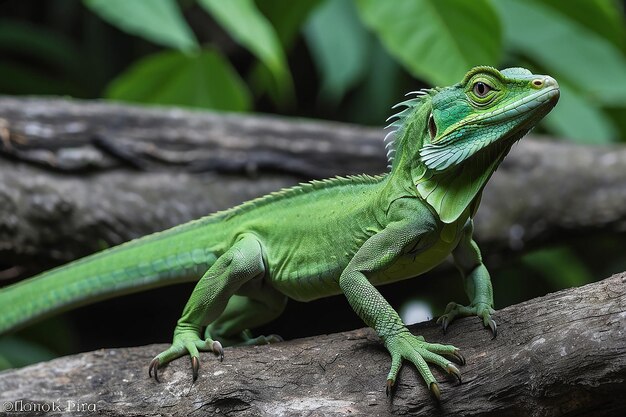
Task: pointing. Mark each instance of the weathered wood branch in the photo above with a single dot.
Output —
(80, 175)
(563, 354)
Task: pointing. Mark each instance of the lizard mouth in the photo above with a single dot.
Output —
(532, 109)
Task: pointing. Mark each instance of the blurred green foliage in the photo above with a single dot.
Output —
(242, 55)
(348, 60)
(173, 77)
(159, 21)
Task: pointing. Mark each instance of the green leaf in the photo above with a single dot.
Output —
(577, 119)
(436, 40)
(158, 21)
(566, 49)
(247, 25)
(600, 16)
(339, 44)
(202, 79)
(286, 17)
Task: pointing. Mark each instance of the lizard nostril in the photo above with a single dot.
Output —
(538, 83)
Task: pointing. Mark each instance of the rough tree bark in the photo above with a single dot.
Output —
(563, 354)
(78, 176)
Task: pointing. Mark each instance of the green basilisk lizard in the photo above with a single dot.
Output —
(342, 235)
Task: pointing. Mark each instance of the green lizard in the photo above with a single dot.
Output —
(342, 235)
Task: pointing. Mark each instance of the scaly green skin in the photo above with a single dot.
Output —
(343, 235)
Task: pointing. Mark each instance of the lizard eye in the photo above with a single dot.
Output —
(481, 89)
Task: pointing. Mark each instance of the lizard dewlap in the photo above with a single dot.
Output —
(342, 235)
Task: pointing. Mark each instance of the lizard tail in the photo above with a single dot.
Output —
(135, 266)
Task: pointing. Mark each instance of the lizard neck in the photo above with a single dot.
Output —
(450, 192)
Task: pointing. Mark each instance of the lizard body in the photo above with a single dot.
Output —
(342, 235)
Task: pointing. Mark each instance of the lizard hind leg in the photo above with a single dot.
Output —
(241, 263)
(260, 304)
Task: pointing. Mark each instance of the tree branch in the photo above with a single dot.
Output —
(559, 355)
(82, 175)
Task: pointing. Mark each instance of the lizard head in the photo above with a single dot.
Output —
(487, 108)
(451, 140)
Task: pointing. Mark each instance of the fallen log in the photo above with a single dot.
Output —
(78, 176)
(563, 354)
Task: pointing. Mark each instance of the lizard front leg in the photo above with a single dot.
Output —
(476, 281)
(377, 253)
(238, 265)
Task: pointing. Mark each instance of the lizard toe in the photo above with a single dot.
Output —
(154, 366)
(218, 350)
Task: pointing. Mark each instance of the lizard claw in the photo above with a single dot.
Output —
(459, 358)
(444, 323)
(405, 345)
(389, 387)
(494, 327)
(482, 310)
(434, 389)
(218, 350)
(195, 366)
(154, 366)
(453, 370)
(186, 343)
(448, 316)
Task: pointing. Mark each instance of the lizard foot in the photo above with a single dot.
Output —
(414, 349)
(248, 339)
(185, 343)
(245, 338)
(482, 310)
